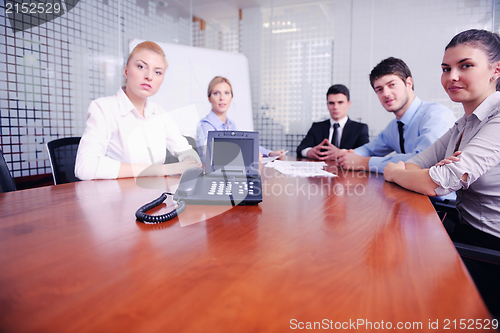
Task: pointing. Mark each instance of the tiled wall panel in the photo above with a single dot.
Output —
(49, 74)
(290, 52)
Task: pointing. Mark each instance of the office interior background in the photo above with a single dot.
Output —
(296, 49)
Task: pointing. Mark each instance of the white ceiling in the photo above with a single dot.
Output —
(214, 10)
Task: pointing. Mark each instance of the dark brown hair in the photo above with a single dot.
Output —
(390, 66)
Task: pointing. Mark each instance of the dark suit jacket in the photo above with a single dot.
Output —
(354, 134)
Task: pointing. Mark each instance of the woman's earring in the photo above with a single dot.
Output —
(493, 78)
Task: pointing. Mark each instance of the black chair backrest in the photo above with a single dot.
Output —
(62, 154)
(6, 182)
(192, 142)
(478, 253)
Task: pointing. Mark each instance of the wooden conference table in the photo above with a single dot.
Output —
(336, 251)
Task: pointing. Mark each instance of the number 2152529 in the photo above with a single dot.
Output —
(32, 8)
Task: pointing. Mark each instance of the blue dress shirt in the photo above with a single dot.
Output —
(212, 123)
(424, 123)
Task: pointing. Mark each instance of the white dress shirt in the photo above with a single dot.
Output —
(116, 133)
(341, 123)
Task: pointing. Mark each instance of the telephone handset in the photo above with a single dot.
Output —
(187, 183)
(186, 187)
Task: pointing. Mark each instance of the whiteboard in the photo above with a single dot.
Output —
(184, 89)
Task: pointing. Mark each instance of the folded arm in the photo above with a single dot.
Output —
(411, 177)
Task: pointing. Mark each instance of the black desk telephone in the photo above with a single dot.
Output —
(231, 177)
(228, 189)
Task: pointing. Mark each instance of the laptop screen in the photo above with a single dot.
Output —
(233, 152)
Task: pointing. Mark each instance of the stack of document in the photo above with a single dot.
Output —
(301, 168)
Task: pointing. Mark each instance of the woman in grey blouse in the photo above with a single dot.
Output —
(466, 158)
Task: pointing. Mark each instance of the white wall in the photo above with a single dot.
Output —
(368, 31)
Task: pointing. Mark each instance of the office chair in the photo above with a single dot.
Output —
(6, 182)
(478, 253)
(465, 250)
(172, 159)
(62, 155)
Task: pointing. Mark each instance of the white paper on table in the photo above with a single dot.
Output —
(301, 168)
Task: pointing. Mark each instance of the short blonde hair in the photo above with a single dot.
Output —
(215, 81)
(150, 46)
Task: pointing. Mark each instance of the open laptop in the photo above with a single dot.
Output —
(231, 171)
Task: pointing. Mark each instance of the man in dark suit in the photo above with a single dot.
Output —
(338, 131)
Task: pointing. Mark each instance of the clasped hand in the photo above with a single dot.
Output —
(325, 151)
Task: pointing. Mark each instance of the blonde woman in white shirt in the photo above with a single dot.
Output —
(128, 136)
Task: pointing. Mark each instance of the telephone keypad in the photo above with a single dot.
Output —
(231, 187)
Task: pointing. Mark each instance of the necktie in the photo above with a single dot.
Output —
(401, 138)
(335, 136)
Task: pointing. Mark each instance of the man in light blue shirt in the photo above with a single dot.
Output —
(417, 125)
